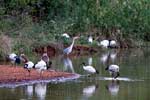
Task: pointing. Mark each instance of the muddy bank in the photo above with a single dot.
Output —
(53, 50)
(16, 75)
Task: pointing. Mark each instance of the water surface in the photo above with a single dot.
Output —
(133, 83)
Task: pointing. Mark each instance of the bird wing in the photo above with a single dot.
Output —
(114, 68)
(30, 64)
(89, 69)
(12, 56)
(67, 50)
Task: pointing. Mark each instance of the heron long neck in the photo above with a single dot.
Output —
(72, 43)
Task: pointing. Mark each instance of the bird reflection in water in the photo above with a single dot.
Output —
(89, 91)
(40, 90)
(90, 60)
(68, 67)
(29, 91)
(113, 87)
(112, 55)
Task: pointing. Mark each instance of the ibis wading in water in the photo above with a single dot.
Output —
(68, 50)
(114, 70)
(90, 69)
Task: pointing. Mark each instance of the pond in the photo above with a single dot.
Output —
(132, 84)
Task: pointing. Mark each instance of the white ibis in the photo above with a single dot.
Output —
(114, 70)
(15, 59)
(90, 69)
(90, 39)
(41, 65)
(68, 50)
(108, 43)
(27, 64)
(45, 58)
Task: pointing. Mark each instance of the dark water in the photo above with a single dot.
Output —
(133, 83)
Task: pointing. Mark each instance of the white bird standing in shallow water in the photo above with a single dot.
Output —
(114, 70)
(68, 50)
(90, 69)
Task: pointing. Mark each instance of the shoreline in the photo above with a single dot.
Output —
(12, 76)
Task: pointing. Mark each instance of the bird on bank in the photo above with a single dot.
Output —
(14, 59)
(68, 50)
(114, 70)
(46, 59)
(108, 43)
(41, 66)
(28, 65)
(90, 69)
(90, 39)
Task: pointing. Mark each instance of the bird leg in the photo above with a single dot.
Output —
(118, 74)
(29, 71)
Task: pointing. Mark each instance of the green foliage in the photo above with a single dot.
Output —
(43, 21)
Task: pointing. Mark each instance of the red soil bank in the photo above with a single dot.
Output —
(12, 74)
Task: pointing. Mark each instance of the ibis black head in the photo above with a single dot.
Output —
(106, 68)
(83, 63)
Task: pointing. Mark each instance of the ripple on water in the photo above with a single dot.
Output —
(119, 79)
(54, 80)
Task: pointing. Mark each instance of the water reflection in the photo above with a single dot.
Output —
(89, 91)
(68, 66)
(40, 90)
(134, 67)
(29, 90)
(90, 60)
(112, 55)
(113, 87)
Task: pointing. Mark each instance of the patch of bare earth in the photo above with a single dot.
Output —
(12, 74)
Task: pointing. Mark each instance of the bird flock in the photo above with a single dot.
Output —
(44, 63)
(112, 68)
